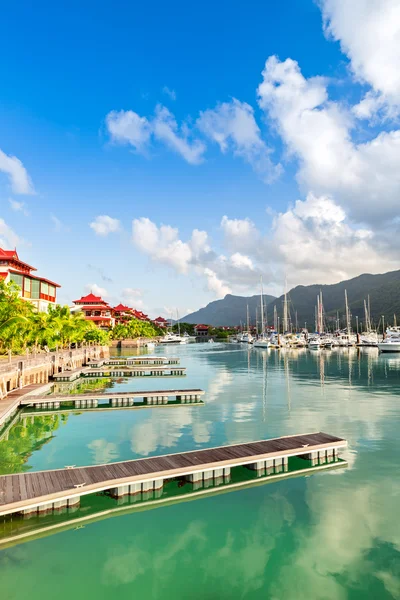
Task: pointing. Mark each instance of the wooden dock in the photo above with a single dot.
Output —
(53, 490)
(121, 371)
(143, 360)
(10, 404)
(114, 399)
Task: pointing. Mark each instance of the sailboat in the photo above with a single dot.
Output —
(247, 338)
(262, 341)
(174, 338)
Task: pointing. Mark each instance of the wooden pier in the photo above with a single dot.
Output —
(98, 370)
(53, 490)
(142, 360)
(115, 399)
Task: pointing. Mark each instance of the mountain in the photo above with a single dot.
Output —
(383, 290)
(231, 310)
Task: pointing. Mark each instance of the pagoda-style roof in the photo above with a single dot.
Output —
(12, 256)
(201, 327)
(161, 320)
(95, 307)
(91, 299)
(121, 308)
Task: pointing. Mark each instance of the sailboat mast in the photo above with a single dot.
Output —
(347, 313)
(285, 311)
(248, 320)
(262, 309)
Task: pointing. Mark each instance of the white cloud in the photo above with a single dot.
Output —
(133, 297)
(363, 177)
(58, 224)
(127, 127)
(163, 245)
(103, 225)
(169, 92)
(369, 34)
(166, 129)
(8, 238)
(233, 127)
(18, 206)
(96, 290)
(239, 234)
(18, 175)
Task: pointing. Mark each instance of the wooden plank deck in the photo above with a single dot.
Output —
(109, 395)
(49, 486)
(10, 403)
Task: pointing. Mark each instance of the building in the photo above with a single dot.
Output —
(39, 291)
(201, 330)
(122, 314)
(137, 314)
(160, 322)
(97, 310)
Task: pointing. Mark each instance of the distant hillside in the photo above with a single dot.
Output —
(384, 292)
(231, 310)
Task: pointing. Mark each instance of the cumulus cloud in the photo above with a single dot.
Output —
(18, 175)
(233, 127)
(133, 297)
(127, 127)
(97, 290)
(166, 129)
(103, 225)
(8, 237)
(369, 34)
(365, 177)
(312, 242)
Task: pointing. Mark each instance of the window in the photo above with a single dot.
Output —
(45, 288)
(16, 279)
(52, 291)
(35, 289)
(27, 287)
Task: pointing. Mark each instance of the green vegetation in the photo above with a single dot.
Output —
(135, 329)
(22, 328)
(26, 436)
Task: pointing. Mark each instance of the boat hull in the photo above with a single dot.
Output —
(389, 347)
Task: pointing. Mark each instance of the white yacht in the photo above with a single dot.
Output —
(391, 343)
(314, 343)
(262, 342)
(173, 338)
(247, 338)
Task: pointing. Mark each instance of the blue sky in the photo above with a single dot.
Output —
(150, 122)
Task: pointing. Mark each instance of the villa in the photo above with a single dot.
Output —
(96, 309)
(39, 291)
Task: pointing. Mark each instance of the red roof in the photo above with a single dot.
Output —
(121, 307)
(201, 327)
(13, 255)
(161, 320)
(90, 298)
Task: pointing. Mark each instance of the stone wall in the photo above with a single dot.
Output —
(25, 370)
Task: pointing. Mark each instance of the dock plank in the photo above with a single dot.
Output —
(15, 489)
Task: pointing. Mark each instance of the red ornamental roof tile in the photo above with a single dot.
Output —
(161, 320)
(121, 307)
(201, 327)
(13, 255)
(90, 298)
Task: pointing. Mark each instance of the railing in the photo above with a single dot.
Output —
(30, 361)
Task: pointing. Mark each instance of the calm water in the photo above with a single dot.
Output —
(334, 535)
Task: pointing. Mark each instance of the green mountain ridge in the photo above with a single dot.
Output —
(383, 290)
(228, 311)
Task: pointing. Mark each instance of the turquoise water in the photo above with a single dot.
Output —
(335, 535)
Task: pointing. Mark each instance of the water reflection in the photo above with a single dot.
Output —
(333, 536)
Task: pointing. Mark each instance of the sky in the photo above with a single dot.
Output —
(164, 155)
